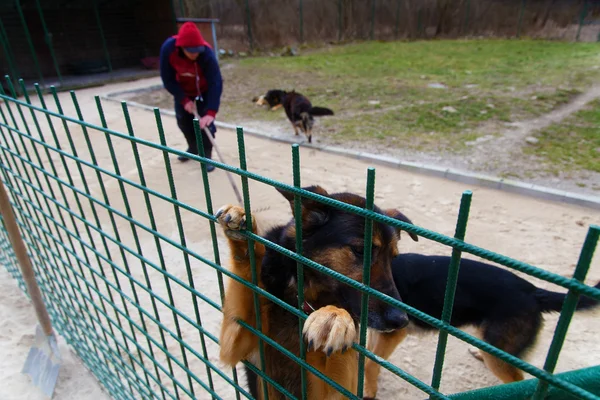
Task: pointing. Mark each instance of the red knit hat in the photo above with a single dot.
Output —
(190, 38)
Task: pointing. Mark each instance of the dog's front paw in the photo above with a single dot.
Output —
(330, 329)
(232, 220)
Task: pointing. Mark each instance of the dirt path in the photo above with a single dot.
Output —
(497, 153)
(525, 128)
(545, 234)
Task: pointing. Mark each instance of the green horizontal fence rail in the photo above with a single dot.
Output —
(103, 262)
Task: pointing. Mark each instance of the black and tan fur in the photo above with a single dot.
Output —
(335, 239)
(300, 113)
(506, 309)
(273, 98)
(298, 109)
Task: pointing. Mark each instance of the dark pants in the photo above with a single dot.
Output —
(185, 121)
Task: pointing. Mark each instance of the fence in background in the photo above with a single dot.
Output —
(105, 263)
(264, 24)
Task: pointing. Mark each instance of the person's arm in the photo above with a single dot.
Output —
(167, 72)
(212, 74)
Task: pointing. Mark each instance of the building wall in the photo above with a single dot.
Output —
(132, 30)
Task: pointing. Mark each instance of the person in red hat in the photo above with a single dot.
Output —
(190, 72)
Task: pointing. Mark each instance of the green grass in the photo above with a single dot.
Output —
(489, 83)
(574, 143)
(492, 64)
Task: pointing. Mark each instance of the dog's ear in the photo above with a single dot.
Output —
(314, 213)
(393, 213)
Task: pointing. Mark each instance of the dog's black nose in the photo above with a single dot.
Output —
(395, 318)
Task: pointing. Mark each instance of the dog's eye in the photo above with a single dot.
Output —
(358, 251)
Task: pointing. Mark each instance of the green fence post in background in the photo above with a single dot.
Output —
(372, 30)
(249, 23)
(339, 20)
(174, 15)
(467, 14)
(8, 52)
(568, 309)
(104, 46)
(582, 16)
(521, 13)
(29, 41)
(48, 38)
(301, 21)
(213, 29)
(459, 233)
(420, 22)
(181, 9)
(397, 28)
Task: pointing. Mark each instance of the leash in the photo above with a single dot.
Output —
(214, 144)
(229, 176)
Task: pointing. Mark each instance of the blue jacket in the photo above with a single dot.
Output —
(185, 79)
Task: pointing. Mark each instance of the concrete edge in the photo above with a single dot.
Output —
(507, 185)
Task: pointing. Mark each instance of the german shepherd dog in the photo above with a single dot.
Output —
(506, 309)
(273, 98)
(300, 112)
(335, 239)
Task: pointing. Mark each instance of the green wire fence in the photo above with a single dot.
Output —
(104, 263)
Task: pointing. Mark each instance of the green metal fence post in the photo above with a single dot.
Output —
(372, 29)
(364, 311)
(459, 233)
(48, 38)
(568, 309)
(521, 13)
(104, 45)
(582, 16)
(339, 20)
(29, 41)
(299, 266)
(251, 253)
(249, 23)
(301, 10)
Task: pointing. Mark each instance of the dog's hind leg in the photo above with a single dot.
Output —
(503, 371)
(236, 342)
(295, 126)
(515, 336)
(382, 345)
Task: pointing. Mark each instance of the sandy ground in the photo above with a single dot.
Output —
(545, 234)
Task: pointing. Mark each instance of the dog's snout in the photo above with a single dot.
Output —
(395, 318)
